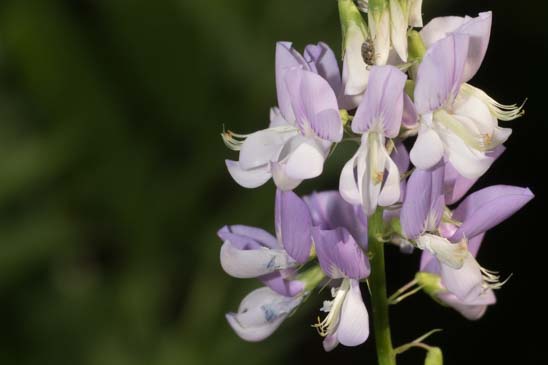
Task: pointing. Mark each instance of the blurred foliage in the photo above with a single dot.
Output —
(112, 181)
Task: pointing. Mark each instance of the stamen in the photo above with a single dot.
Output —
(487, 140)
(505, 112)
(378, 177)
(232, 140)
(491, 279)
(328, 325)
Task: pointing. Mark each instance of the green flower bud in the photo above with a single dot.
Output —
(434, 356)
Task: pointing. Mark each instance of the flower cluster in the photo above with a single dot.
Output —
(424, 136)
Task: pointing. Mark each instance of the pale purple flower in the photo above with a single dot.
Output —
(421, 215)
(301, 130)
(249, 252)
(342, 258)
(261, 312)
(370, 177)
(457, 121)
(469, 289)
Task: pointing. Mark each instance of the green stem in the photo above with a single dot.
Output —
(379, 299)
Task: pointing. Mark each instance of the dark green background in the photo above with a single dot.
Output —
(112, 182)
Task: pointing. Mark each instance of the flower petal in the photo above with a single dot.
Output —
(456, 185)
(423, 204)
(315, 105)
(471, 111)
(276, 118)
(440, 73)
(427, 150)
(429, 263)
(474, 244)
(371, 170)
(410, 117)
(479, 29)
(295, 225)
(468, 161)
(280, 285)
(390, 192)
(324, 61)
(464, 281)
(287, 59)
(305, 158)
(348, 186)
(488, 207)
(353, 329)
(281, 179)
(379, 25)
(242, 263)
(398, 29)
(469, 311)
(449, 254)
(415, 13)
(382, 102)
(246, 237)
(339, 254)
(355, 71)
(329, 211)
(330, 342)
(260, 313)
(261, 147)
(400, 156)
(251, 178)
(438, 28)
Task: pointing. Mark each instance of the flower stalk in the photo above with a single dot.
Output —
(379, 299)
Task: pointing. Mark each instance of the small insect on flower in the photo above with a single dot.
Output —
(368, 52)
(363, 5)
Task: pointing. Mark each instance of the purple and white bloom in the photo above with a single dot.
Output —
(457, 121)
(421, 216)
(341, 258)
(261, 312)
(470, 288)
(340, 238)
(301, 130)
(249, 252)
(370, 177)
